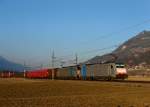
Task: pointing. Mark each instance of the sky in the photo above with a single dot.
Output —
(30, 30)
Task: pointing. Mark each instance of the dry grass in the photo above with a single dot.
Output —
(47, 93)
(139, 78)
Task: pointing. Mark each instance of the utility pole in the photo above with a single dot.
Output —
(24, 69)
(41, 66)
(53, 65)
(62, 63)
(53, 59)
(76, 59)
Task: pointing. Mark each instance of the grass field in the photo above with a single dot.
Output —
(139, 78)
(59, 93)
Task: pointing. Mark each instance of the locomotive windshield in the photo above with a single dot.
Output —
(120, 66)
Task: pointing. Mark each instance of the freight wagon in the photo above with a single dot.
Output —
(66, 72)
(19, 74)
(41, 74)
(6, 74)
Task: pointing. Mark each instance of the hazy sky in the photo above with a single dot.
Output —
(31, 29)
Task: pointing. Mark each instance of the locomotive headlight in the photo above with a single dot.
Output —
(121, 71)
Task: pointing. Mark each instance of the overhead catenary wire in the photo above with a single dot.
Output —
(117, 32)
(98, 50)
(110, 35)
(91, 51)
(73, 61)
(104, 37)
(101, 49)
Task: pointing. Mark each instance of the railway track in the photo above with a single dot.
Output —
(131, 81)
(120, 81)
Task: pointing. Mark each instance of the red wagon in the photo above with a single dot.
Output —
(42, 73)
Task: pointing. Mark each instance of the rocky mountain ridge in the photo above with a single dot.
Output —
(135, 51)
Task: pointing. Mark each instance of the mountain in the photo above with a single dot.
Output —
(8, 65)
(135, 51)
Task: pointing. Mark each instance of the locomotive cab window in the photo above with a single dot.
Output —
(120, 66)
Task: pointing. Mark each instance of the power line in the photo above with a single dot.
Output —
(96, 50)
(119, 31)
(109, 35)
(101, 37)
(76, 56)
(75, 61)
(53, 59)
(101, 49)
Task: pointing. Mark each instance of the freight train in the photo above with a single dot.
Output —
(11, 74)
(107, 71)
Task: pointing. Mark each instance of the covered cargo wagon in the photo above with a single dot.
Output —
(42, 73)
(66, 72)
(6, 74)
